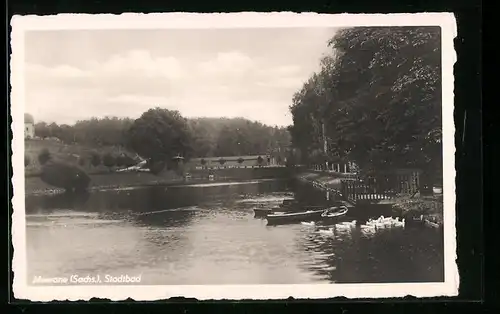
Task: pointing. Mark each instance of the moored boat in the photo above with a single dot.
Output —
(294, 217)
(334, 213)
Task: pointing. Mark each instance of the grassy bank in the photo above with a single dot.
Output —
(34, 185)
(68, 153)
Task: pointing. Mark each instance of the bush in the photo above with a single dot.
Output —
(95, 159)
(109, 161)
(44, 156)
(81, 161)
(222, 161)
(66, 176)
(27, 161)
(125, 161)
(240, 160)
(128, 161)
(156, 167)
(120, 161)
(260, 160)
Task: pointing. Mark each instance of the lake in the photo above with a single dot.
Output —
(207, 234)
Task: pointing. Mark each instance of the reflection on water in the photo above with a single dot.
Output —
(208, 235)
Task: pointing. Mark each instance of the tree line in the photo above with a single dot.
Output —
(162, 134)
(376, 100)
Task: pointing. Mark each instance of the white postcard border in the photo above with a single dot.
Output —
(21, 24)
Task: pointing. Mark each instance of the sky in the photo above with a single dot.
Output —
(72, 75)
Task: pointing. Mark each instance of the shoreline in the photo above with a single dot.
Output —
(34, 186)
(427, 210)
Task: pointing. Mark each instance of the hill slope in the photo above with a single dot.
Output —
(76, 154)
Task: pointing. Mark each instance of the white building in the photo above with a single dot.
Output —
(29, 126)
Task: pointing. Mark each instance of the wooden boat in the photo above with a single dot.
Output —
(283, 218)
(334, 213)
(263, 212)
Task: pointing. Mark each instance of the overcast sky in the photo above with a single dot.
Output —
(251, 73)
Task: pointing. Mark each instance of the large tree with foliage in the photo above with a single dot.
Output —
(379, 95)
(160, 134)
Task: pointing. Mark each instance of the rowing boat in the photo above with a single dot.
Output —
(334, 213)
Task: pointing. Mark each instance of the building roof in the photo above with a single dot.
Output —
(28, 118)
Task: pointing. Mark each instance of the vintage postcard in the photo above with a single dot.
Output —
(233, 156)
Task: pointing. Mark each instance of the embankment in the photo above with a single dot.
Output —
(69, 153)
(425, 209)
(34, 185)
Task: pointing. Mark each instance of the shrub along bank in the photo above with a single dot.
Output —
(425, 208)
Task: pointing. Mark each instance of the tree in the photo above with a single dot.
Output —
(203, 162)
(42, 130)
(66, 134)
(379, 98)
(95, 159)
(107, 131)
(109, 161)
(240, 160)
(260, 160)
(44, 156)
(27, 161)
(160, 134)
(222, 161)
(396, 104)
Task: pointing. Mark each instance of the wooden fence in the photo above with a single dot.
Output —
(379, 188)
(356, 190)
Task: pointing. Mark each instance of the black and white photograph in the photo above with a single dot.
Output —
(233, 156)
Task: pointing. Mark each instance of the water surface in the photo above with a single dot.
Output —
(207, 234)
